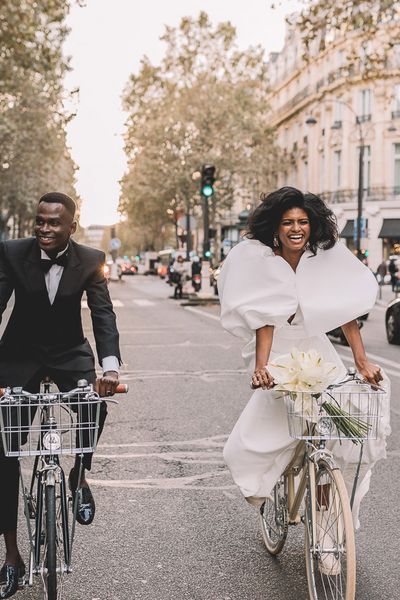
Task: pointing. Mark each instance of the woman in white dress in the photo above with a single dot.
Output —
(286, 284)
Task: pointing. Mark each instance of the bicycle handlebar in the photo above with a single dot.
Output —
(122, 388)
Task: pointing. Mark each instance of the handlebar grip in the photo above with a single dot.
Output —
(122, 388)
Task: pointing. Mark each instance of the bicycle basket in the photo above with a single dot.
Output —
(48, 424)
(351, 411)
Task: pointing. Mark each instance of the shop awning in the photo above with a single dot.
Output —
(390, 229)
(348, 229)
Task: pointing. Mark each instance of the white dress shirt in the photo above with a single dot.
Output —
(52, 279)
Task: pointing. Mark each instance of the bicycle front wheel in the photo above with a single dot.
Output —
(329, 536)
(274, 519)
(50, 556)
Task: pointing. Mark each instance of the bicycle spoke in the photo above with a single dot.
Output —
(331, 557)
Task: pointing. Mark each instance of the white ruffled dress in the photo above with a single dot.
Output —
(258, 288)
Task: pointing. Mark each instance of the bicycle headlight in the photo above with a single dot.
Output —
(52, 441)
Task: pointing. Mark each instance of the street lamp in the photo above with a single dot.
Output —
(311, 120)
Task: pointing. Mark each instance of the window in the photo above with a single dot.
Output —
(397, 169)
(337, 169)
(337, 114)
(339, 59)
(396, 55)
(305, 176)
(366, 168)
(322, 173)
(364, 105)
(396, 102)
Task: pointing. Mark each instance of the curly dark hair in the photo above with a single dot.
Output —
(263, 221)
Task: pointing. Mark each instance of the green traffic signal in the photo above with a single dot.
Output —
(207, 190)
(207, 180)
(208, 254)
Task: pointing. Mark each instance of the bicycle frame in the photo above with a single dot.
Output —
(47, 471)
(305, 458)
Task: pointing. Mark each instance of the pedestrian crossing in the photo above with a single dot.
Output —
(119, 304)
(116, 304)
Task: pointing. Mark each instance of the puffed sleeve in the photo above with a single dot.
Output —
(256, 288)
(334, 287)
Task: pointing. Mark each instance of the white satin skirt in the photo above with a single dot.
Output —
(259, 448)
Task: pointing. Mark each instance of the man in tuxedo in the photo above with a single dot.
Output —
(48, 274)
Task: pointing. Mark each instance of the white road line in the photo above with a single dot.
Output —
(167, 483)
(201, 312)
(116, 304)
(143, 302)
(349, 360)
(380, 359)
(215, 441)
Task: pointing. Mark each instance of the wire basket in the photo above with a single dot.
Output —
(351, 411)
(49, 424)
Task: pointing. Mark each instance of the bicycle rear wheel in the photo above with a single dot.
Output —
(274, 519)
(329, 537)
(50, 556)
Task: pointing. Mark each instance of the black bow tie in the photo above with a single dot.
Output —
(47, 263)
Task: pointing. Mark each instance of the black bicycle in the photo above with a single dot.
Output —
(45, 426)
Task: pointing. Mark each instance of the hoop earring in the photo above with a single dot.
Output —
(276, 241)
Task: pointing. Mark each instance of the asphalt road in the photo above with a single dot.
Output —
(170, 524)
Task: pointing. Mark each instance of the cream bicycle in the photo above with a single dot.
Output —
(349, 410)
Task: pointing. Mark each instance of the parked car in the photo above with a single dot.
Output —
(337, 335)
(392, 321)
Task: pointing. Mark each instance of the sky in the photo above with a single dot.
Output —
(108, 38)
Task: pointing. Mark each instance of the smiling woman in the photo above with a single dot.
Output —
(284, 286)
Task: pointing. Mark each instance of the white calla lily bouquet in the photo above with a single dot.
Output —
(304, 376)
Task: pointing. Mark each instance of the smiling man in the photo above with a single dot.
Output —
(44, 337)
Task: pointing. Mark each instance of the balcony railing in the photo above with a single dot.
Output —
(363, 118)
(372, 194)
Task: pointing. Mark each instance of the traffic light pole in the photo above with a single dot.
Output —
(188, 233)
(206, 226)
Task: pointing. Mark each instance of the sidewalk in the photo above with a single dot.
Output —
(386, 295)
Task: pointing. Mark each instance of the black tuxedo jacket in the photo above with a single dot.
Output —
(40, 334)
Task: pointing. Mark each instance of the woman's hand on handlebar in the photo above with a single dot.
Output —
(262, 379)
(370, 372)
(107, 385)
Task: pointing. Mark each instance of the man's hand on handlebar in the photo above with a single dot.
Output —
(106, 386)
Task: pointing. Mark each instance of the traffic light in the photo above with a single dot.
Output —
(207, 180)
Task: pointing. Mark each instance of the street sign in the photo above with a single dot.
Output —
(363, 228)
(115, 244)
(181, 222)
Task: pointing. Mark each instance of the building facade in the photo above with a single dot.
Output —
(324, 111)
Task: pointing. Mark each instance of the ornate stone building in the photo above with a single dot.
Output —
(324, 110)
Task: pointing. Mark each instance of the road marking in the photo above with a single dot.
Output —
(116, 304)
(349, 360)
(380, 359)
(188, 482)
(200, 375)
(143, 302)
(187, 344)
(201, 312)
(215, 441)
(193, 458)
